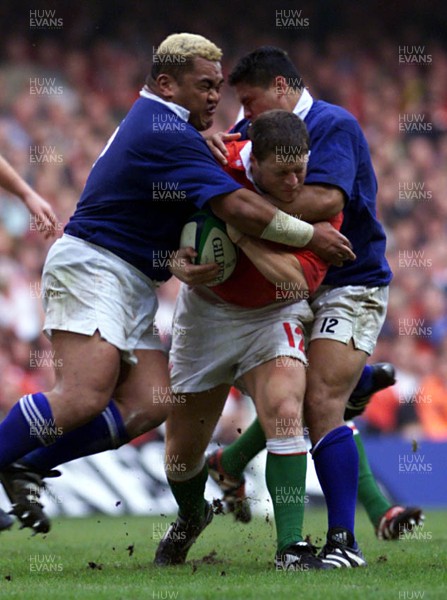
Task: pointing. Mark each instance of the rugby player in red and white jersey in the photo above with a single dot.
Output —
(247, 285)
(248, 333)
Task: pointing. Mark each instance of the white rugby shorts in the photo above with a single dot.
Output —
(86, 288)
(349, 312)
(216, 343)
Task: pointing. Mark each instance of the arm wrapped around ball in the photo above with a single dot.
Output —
(278, 266)
(253, 215)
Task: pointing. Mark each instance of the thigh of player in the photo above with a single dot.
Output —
(272, 370)
(98, 311)
(202, 361)
(86, 369)
(345, 330)
(277, 388)
(143, 392)
(349, 313)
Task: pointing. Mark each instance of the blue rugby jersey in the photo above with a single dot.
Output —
(155, 171)
(340, 157)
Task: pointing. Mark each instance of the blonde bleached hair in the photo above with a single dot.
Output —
(189, 45)
(175, 55)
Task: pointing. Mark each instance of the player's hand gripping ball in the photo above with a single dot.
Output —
(207, 235)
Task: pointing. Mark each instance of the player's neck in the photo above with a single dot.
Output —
(152, 90)
(293, 99)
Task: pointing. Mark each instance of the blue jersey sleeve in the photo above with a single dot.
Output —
(334, 156)
(202, 178)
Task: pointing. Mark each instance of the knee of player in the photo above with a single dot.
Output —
(182, 443)
(320, 391)
(323, 414)
(87, 408)
(284, 407)
(141, 422)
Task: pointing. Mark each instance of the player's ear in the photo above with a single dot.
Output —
(166, 84)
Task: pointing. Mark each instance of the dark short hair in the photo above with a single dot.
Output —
(278, 132)
(260, 67)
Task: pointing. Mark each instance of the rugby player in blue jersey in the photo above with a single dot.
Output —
(99, 279)
(349, 307)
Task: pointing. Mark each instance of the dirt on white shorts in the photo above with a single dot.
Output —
(215, 343)
(86, 288)
(350, 312)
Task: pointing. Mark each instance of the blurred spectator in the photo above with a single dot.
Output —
(431, 405)
(393, 409)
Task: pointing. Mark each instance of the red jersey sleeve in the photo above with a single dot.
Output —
(314, 267)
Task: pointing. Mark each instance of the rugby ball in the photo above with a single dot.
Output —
(208, 236)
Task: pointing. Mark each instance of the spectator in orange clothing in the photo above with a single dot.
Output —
(381, 412)
(393, 409)
(431, 405)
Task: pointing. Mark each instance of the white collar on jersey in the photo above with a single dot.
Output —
(245, 158)
(304, 104)
(180, 111)
(301, 109)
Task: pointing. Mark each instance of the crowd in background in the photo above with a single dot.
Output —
(63, 92)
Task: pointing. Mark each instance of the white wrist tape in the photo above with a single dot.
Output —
(285, 229)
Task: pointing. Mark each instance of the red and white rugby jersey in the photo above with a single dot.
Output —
(247, 287)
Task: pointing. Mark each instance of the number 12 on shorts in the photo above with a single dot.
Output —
(291, 334)
(328, 324)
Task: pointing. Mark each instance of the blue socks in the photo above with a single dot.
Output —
(28, 425)
(28, 430)
(104, 432)
(337, 466)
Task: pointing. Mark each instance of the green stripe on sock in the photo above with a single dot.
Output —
(369, 493)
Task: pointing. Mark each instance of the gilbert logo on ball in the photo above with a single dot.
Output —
(208, 236)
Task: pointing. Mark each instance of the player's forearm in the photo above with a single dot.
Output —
(277, 266)
(245, 210)
(257, 217)
(314, 203)
(11, 181)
